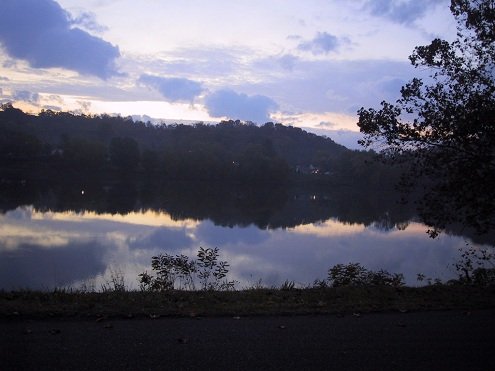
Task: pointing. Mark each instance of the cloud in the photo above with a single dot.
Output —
(87, 20)
(31, 266)
(85, 105)
(227, 103)
(202, 62)
(50, 107)
(391, 85)
(327, 124)
(288, 61)
(173, 89)
(401, 11)
(322, 43)
(335, 86)
(43, 34)
(294, 37)
(272, 67)
(54, 98)
(168, 238)
(26, 96)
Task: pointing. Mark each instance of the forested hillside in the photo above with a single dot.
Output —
(103, 147)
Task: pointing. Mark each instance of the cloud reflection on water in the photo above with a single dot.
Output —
(34, 267)
(48, 249)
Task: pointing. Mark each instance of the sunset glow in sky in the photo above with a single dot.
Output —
(309, 64)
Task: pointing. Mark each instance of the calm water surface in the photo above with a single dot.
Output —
(48, 249)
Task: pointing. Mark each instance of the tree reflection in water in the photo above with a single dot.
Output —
(56, 235)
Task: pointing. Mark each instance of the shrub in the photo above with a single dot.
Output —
(484, 276)
(354, 274)
(288, 285)
(116, 283)
(180, 272)
(211, 271)
(320, 284)
(169, 271)
(472, 266)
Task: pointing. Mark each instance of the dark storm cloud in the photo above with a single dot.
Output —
(401, 11)
(322, 43)
(42, 33)
(173, 89)
(228, 103)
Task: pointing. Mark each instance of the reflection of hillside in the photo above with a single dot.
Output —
(276, 207)
(347, 204)
(234, 205)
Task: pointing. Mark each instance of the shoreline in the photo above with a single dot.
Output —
(251, 302)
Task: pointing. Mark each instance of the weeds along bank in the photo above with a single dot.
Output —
(343, 300)
(208, 273)
(182, 286)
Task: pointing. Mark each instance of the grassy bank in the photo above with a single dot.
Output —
(337, 300)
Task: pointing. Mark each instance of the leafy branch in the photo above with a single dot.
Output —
(180, 272)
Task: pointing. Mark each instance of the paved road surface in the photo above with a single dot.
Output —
(387, 341)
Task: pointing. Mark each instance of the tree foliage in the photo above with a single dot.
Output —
(354, 274)
(120, 148)
(445, 124)
(181, 272)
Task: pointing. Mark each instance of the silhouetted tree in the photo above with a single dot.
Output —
(103, 145)
(446, 124)
(83, 156)
(150, 161)
(124, 155)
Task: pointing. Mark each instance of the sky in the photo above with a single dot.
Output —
(310, 64)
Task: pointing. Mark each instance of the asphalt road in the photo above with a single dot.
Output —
(450, 340)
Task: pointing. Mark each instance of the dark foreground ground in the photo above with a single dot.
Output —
(434, 340)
